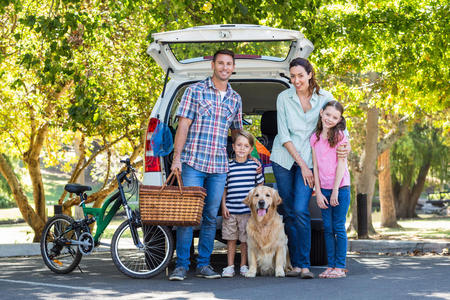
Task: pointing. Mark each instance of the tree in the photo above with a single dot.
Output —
(412, 157)
(68, 71)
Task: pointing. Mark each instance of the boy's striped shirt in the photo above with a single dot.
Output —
(241, 178)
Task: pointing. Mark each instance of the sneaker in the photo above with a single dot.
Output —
(207, 272)
(244, 270)
(178, 274)
(228, 272)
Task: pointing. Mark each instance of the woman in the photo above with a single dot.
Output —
(297, 113)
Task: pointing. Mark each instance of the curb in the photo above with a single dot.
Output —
(30, 249)
(360, 246)
(11, 250)
(392, 246)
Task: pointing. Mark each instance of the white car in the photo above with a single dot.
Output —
(261, 73)
(262, 57)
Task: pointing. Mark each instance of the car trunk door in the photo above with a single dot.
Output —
(259, 50)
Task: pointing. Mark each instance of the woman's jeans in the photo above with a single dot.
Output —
(214, 185)
(295, 212)
(334, 228)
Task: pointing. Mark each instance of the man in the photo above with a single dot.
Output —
(207, 110)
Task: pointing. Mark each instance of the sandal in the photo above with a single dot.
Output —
(337, 273)
(294, 272)
(325, 273)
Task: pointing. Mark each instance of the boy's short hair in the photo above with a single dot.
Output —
(247, 135)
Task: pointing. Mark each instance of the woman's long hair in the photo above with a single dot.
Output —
(313, 85)
(333, 134)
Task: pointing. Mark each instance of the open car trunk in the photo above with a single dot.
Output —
(258, 108)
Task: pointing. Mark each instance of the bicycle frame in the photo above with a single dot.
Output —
(103, 221)
(99, 213)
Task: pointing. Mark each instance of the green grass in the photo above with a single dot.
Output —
(424, 227)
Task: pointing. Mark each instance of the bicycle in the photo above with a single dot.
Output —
(137, 250)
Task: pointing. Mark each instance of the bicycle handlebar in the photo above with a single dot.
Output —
(126, 161)
(123, 175)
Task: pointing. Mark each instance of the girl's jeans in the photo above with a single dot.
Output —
(334, 228)
(295, 212)
(214, 185)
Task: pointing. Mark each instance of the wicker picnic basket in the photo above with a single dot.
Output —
(171, 205)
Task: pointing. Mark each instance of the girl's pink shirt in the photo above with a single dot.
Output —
(327, 161)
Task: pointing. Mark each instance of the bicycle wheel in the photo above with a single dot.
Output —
(59, 255)
(147, 262)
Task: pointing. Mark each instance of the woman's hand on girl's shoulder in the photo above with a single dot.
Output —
(343, 150)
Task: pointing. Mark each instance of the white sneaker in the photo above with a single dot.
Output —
(228, 272)
(244, 270)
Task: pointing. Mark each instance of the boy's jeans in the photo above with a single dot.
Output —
(334, 228)
(214, 185)
(295, 211)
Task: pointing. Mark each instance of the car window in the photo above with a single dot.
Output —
(266, 50)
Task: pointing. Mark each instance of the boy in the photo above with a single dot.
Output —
(241, 178)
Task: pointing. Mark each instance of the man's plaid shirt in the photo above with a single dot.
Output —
(206, 143)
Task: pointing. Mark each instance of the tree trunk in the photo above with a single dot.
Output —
(402, 200)
(417, 190)
(388, 215)
(32, 161)
(367, 178)
(29, 215)
(34, 170)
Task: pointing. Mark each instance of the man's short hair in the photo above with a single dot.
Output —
(223, 51)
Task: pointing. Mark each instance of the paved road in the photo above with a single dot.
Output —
(370, 277)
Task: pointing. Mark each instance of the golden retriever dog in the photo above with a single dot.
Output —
(267, 241)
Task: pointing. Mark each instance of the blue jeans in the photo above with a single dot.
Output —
(295, 211)
(334, 228)
(214, 185)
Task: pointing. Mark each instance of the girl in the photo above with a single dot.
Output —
(297, 113)
(332, 181)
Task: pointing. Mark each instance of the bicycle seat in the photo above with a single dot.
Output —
(76, 188)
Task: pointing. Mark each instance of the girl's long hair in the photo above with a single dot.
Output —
(333, 134)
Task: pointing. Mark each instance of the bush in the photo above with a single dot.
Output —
(6, 202)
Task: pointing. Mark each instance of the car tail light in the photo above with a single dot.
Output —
(152, 163)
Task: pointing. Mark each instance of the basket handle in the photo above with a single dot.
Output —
(170, 180)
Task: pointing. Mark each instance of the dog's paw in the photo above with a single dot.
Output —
(279, 273)
(250, 274)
